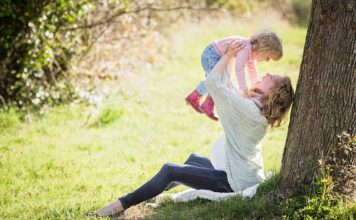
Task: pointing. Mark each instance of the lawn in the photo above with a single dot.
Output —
(61, 166)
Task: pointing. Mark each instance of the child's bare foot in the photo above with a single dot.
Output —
(113, 209)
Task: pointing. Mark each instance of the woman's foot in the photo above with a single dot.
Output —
(113, 209)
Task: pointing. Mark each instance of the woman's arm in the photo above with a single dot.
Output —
(228, 57)
(230, 106)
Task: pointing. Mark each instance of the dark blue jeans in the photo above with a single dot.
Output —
(197, 172)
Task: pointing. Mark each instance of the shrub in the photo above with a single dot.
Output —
(35, 47)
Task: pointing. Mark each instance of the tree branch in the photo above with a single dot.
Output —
(148, 7)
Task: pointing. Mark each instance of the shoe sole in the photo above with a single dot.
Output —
(197, 110)
(211, 117)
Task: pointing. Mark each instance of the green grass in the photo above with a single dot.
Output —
(64, 164)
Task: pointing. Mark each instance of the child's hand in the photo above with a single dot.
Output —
(234, 47)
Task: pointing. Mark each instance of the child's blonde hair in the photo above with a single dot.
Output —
(266, 41)
(277, 102)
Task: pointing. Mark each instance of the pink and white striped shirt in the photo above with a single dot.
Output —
(243, 58)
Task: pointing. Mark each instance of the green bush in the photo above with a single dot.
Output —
(37, 42)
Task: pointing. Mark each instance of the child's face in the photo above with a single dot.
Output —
(263, 56)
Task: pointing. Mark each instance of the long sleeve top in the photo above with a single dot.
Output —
(244, 128)
(244, 58)
(217, 155)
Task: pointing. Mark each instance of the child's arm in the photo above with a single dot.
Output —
(241, 60)
(251, 67)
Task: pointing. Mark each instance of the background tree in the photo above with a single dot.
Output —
(325, 103)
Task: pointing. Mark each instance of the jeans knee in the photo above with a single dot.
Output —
(167, 170)
(167, 167)
(192, 156)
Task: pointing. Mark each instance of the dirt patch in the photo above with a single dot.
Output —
(136, 212)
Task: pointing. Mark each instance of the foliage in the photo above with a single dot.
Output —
(301, 11)
(335, 179)
(9, 119)
(35, 47)
(39, 40)
(108, 115)
(317, 202)
(340, 165)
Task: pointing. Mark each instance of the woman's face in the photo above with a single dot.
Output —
(267, 82)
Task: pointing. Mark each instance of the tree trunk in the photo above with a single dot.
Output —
(325, 102)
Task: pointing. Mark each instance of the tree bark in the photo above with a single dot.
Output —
(325, 101)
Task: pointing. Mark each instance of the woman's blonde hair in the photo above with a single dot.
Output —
(277, 102)
(265, 41)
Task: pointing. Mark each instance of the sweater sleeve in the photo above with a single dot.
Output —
(229, 105)
(241, 60)
(251, 67)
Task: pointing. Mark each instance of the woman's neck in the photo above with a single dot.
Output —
(257, 101)
(256, 98)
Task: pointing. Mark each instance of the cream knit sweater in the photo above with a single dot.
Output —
(244, 128)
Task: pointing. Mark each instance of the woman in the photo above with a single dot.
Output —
(237, 164)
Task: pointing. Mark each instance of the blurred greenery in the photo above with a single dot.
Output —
(301, 11)
(43, 42)
(9, 119)
(108, 115)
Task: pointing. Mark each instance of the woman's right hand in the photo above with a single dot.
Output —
(234, 47)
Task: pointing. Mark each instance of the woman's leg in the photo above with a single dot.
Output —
(194, 160)
(192, 176)
(199, 161)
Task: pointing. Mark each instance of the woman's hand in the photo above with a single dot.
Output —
(234, 47)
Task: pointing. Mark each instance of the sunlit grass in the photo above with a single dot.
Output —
(61, 166)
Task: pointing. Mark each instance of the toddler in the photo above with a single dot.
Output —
(261, 46)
